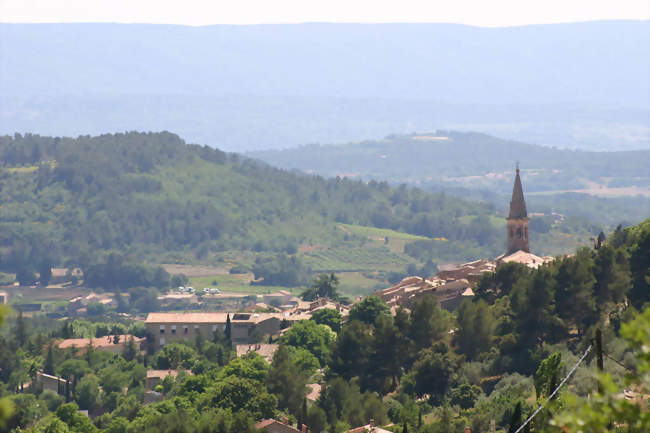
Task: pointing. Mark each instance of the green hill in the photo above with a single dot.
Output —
(152, 198)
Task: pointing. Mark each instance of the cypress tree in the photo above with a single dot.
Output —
(20, 329)
(49, 361)
(227, 330)
(515, 420)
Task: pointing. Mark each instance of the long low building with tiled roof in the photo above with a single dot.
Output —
(245, 328)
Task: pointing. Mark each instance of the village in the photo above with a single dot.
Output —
(257, 323)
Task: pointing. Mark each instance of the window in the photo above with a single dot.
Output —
(162, 329)
(214, 328)
(185, 329)
(196, 328)
(162, 341)
(173, 329)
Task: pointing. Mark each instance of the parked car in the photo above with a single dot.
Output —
(214, 291)
(206, 290)
(181, 289)
(190, 289)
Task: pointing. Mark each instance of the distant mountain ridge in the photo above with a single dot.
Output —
(603, 61)
(256, 87)
(466, 159)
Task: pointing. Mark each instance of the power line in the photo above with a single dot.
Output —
(541, 406)
(619, 363)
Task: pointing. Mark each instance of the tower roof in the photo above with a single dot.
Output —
(517, 203)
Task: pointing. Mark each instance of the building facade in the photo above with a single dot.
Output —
(245, 328)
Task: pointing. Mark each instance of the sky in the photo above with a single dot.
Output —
(484, 13)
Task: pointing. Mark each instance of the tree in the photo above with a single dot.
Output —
(613, 279)
(87, 392)
(324, 286)
(465, 395)
(548, 375)
(352, 350)
(26, 276)
(429, 323)
(20, 329)
(475, 326)
(45, 272)
(48, 368)
(130, 351)
(309, 335)
(431, 374)
(574, 299)
(385, 367)
(239, 394)
(329, 317)
(286, 381)
(369, 309)
(639, 294)
(6, 407)
(317, 420)
(602, 411)
(228, 329)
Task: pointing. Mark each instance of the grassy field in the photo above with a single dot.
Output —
(379, 234)
(236, 283)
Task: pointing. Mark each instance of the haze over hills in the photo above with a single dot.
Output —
(467, 159)
(270, 86)
(607, 187)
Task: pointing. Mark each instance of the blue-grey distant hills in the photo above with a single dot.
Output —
(266, 86)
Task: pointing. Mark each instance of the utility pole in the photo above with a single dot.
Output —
(599, 355)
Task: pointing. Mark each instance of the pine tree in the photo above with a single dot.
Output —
(129, 351)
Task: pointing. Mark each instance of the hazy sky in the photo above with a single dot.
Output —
(492, 13)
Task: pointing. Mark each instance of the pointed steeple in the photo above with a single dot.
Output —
(517, 203)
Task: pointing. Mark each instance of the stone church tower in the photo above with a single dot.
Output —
(517, 220)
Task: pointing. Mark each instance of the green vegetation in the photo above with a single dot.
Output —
(495, 358)
(155, 199)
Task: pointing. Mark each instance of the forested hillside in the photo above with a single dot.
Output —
(151, 196)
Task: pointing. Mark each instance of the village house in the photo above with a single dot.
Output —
(368, 428)
(109, 343)
(245, 328)
(79, 304)
(266, 351)
(275, 426)
(155, 377)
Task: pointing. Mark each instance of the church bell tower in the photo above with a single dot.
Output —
(518, 220)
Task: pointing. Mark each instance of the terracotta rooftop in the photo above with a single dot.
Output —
(100, 342)
(161, 374)
(266, 351)
(528, 259)
(221, 317)
(314, 391)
